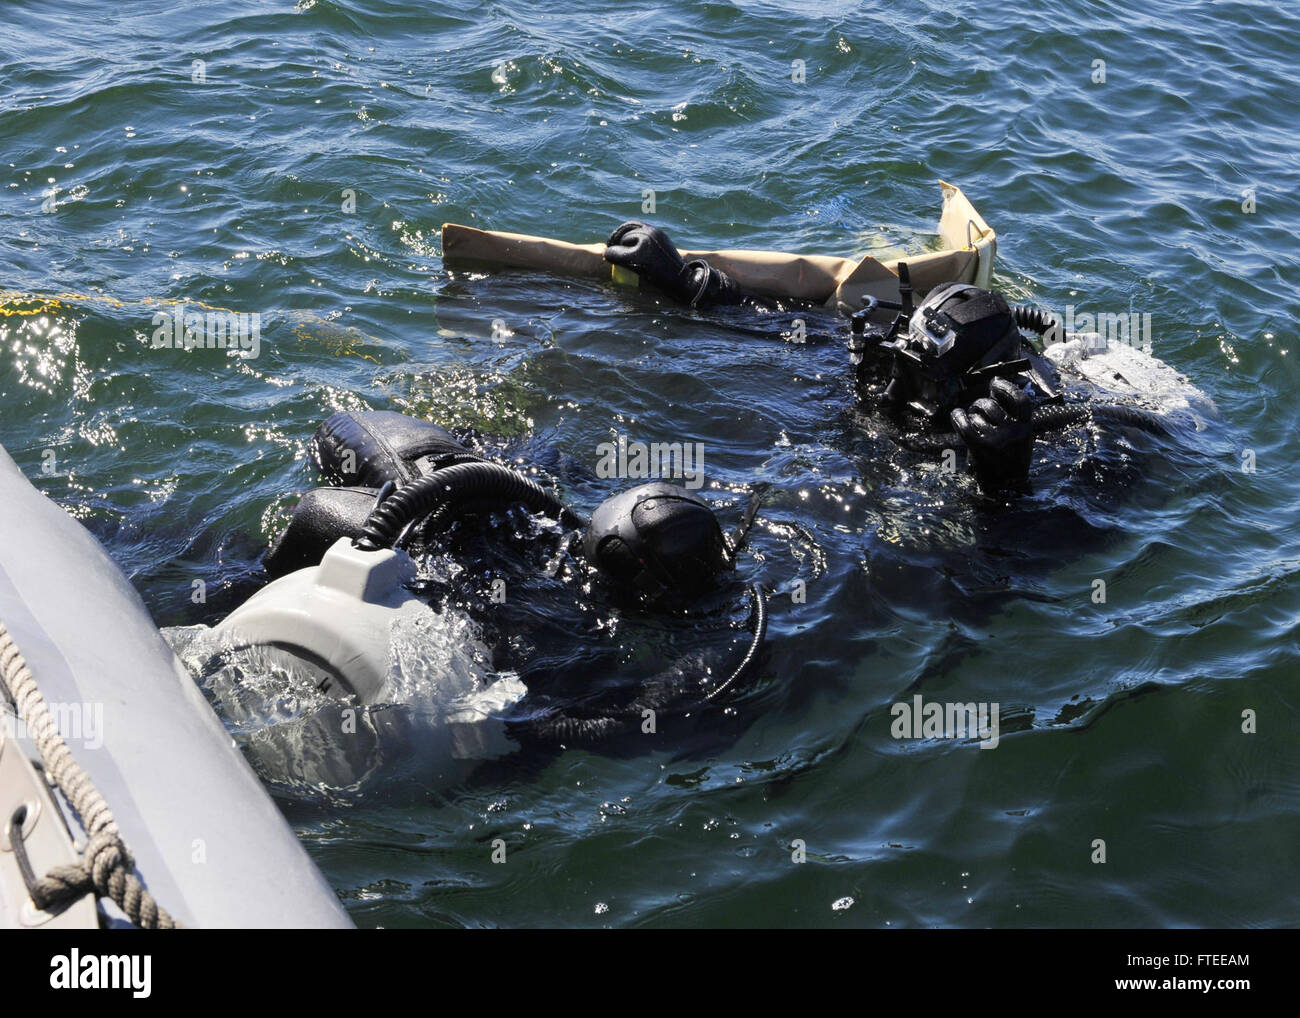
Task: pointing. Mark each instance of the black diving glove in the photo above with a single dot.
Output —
(648, 252)
(998, 430)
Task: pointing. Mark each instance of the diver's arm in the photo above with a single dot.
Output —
(648, 252)
(671, 693)
(596, 724)
(558, 728)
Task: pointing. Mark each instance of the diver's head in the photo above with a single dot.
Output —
(658, 541)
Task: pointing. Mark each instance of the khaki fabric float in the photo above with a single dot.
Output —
(969, 246)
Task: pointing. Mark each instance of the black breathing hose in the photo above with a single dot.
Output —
(1051, 417)
(758, 623)
(736, 539)
(1034, 319)
(436, 495)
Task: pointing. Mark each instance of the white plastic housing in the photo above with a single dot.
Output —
(337, 615)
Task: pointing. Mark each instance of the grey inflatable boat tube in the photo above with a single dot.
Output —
(208, 842)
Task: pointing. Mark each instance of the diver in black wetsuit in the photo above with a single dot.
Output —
(954, 371)
(957, 359)
(658, 548)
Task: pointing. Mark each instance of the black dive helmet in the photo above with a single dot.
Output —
(958, 340)
(943, 353)
(658, 540)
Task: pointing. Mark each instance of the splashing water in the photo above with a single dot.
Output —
(444, 708)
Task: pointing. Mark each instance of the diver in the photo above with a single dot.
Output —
(955, 371)
(656, 550)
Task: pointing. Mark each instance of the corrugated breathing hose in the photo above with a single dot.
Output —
(434, 496)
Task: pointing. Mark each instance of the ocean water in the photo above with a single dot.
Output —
(297, 161)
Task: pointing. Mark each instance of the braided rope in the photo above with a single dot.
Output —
(106, 865)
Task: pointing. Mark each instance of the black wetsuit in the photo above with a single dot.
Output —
(585, 696)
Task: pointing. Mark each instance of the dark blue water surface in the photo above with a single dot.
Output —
(1169, 188)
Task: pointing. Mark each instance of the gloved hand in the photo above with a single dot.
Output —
(648, 252)
(998, 430)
